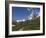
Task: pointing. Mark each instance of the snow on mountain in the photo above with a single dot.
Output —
(20, 20)
(23, 20)
(38, 15)
(31, 16)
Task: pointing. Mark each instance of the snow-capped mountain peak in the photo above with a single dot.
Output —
(38, 15)
(20, 20)
(31, 16)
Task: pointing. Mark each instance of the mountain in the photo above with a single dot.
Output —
(31, 16)
(33, 24)
(20, 20)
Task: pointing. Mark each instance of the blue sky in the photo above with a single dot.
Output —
(19, 13)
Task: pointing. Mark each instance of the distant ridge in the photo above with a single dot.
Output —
(31, 16)
(20, 20)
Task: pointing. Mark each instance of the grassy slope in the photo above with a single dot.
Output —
(28, 25)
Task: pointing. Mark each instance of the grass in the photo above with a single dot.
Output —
(27, 25)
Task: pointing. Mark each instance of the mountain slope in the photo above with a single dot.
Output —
(28, 25)
(33, 24)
